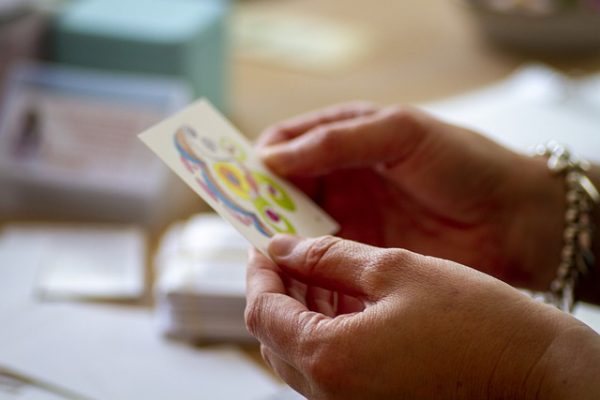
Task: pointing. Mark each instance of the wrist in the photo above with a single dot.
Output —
(549, 355)
(589, 287)
(534, 237)
(569, 368)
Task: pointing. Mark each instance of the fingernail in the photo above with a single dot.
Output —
(282, 245)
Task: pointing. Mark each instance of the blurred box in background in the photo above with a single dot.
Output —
(68, 145)
(22, 33)
(184, 38)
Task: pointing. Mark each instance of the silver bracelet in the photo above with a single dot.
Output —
(577, 257)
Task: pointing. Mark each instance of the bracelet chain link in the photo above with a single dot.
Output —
(577, 257)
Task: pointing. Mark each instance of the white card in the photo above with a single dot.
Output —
(99, 262)
(220, 165)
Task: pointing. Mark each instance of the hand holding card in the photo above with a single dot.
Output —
(220, 165)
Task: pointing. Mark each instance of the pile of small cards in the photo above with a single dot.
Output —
(200, 286)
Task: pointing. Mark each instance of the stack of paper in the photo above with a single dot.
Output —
(201, 280)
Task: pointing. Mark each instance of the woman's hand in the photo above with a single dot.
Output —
(396, 177)
(387, 323)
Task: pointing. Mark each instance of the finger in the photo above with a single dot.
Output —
(273, 317)
(349, 304)
(321, 300)
(384, 137)
(285, 371)
(314, 298)
(329, 262)
(296, 289)
(297, 126)
(262, 276)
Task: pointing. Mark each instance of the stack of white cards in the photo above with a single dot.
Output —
(200, 285)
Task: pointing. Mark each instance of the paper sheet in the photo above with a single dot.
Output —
(91, 261)
(533, 106)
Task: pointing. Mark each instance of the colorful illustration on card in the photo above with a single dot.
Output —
(251, 197)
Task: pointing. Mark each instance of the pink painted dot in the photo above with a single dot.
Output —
(272, 215)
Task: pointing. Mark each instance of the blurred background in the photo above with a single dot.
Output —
(108, 264)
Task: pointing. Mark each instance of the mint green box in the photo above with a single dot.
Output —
(183, 38)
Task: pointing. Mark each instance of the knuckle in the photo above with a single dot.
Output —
(308, 324)
(276, 128)
(327, 138)
(312, 339)
(399, 255)
(282, 129)
(417, 131)
(253, 314)
(410, 120)
(324, 358)
(383, 266)
(264, 352)
(318, 249)
(324, 371)
(401, 114)
(358, 106)
(413, 121)
(399, 110)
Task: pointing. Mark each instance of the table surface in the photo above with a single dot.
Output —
(422, 50)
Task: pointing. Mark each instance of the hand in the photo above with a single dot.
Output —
(427, 328)
(396, 177)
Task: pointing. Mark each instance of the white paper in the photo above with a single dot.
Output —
(95, 262)
(107, 352)
(531, 107)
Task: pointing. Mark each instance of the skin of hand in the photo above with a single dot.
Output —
(418, 328)
(396, 177)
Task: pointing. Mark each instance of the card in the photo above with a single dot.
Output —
(220, 165)
(93, 262)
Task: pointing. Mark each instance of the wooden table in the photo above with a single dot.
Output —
(423, 50)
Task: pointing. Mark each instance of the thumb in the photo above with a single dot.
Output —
(333, 263)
